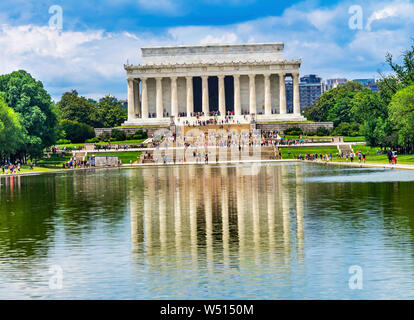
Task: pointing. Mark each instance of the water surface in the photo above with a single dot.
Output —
(272, 231)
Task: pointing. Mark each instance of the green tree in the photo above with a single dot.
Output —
(110, 112)
(77, 108)
(405, 71)
(372, 112)
(402, 116)
(76, 132)
(11, 131)
(34, 106)
(334, 104)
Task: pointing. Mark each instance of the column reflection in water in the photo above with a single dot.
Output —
(177, 213)
(150, 180)
(285, 210)
(225, 215)
(208, 182)
(193, 196)
(136, 215)
(255, 214)
(272, 191)
(255, 206)
(241, 205)
(299, 212)
(162, 198)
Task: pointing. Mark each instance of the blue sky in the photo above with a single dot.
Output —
(98, 37)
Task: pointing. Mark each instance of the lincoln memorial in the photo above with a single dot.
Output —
(180, 83)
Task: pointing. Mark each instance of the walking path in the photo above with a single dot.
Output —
(330, 144)
(347, 164)
(367, 165)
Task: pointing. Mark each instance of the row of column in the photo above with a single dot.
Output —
(135, 106)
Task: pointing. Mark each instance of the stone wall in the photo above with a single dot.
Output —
(277, 126)
(248, 52)
(305, 126)
(106, 161)
(129, 130)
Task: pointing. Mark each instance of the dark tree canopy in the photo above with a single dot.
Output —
(11, 131)
(106, 113)
(27, 97)
(77, 108)
(334, 104)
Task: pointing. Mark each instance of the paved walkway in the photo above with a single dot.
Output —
(326, 144)
(347, 164)
(367, 165)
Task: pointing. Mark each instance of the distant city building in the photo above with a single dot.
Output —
(310, 89)
(124, 104)
(333, 83)
(368, 83)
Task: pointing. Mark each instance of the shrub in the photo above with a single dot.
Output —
(347, 129)
(118, 135)
(93, 140)
(76, 132)
(322, 131)
(63, 141)
(310, 133)
(293, 131)
(105, 137)
(140, 134)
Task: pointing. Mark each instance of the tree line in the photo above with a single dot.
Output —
(30, 121)
(385, 118)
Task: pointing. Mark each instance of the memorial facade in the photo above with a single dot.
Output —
(183, 83)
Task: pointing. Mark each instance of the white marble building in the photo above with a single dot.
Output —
(239, 79)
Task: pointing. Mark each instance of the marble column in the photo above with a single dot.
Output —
(159, 104)
(268, 97)
(222, 96)
(205, 95)
(144, 98)
(174, 97)
(131, 100)
(190, 101)
(252, 93)
(137, 107)
(237, 107)
(282, 91)
(296, 96)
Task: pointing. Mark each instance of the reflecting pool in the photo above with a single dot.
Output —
(268, 231)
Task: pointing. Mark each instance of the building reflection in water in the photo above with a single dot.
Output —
(207, 219)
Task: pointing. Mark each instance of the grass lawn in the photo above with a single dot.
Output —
(26, 169)
(141, 126)
(125, 157)
(346, 139)
(53, 162)
(295, 151)
(372, 156)
(354, 139)
(307, 121)
(128, 142)
(305, 137)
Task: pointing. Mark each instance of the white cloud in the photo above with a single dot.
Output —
(401, 9)
(322, 19)
(225, 38)
(92, 61)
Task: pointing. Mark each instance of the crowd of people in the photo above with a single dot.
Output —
(74, 163)
(215, 120)
(9, 167)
